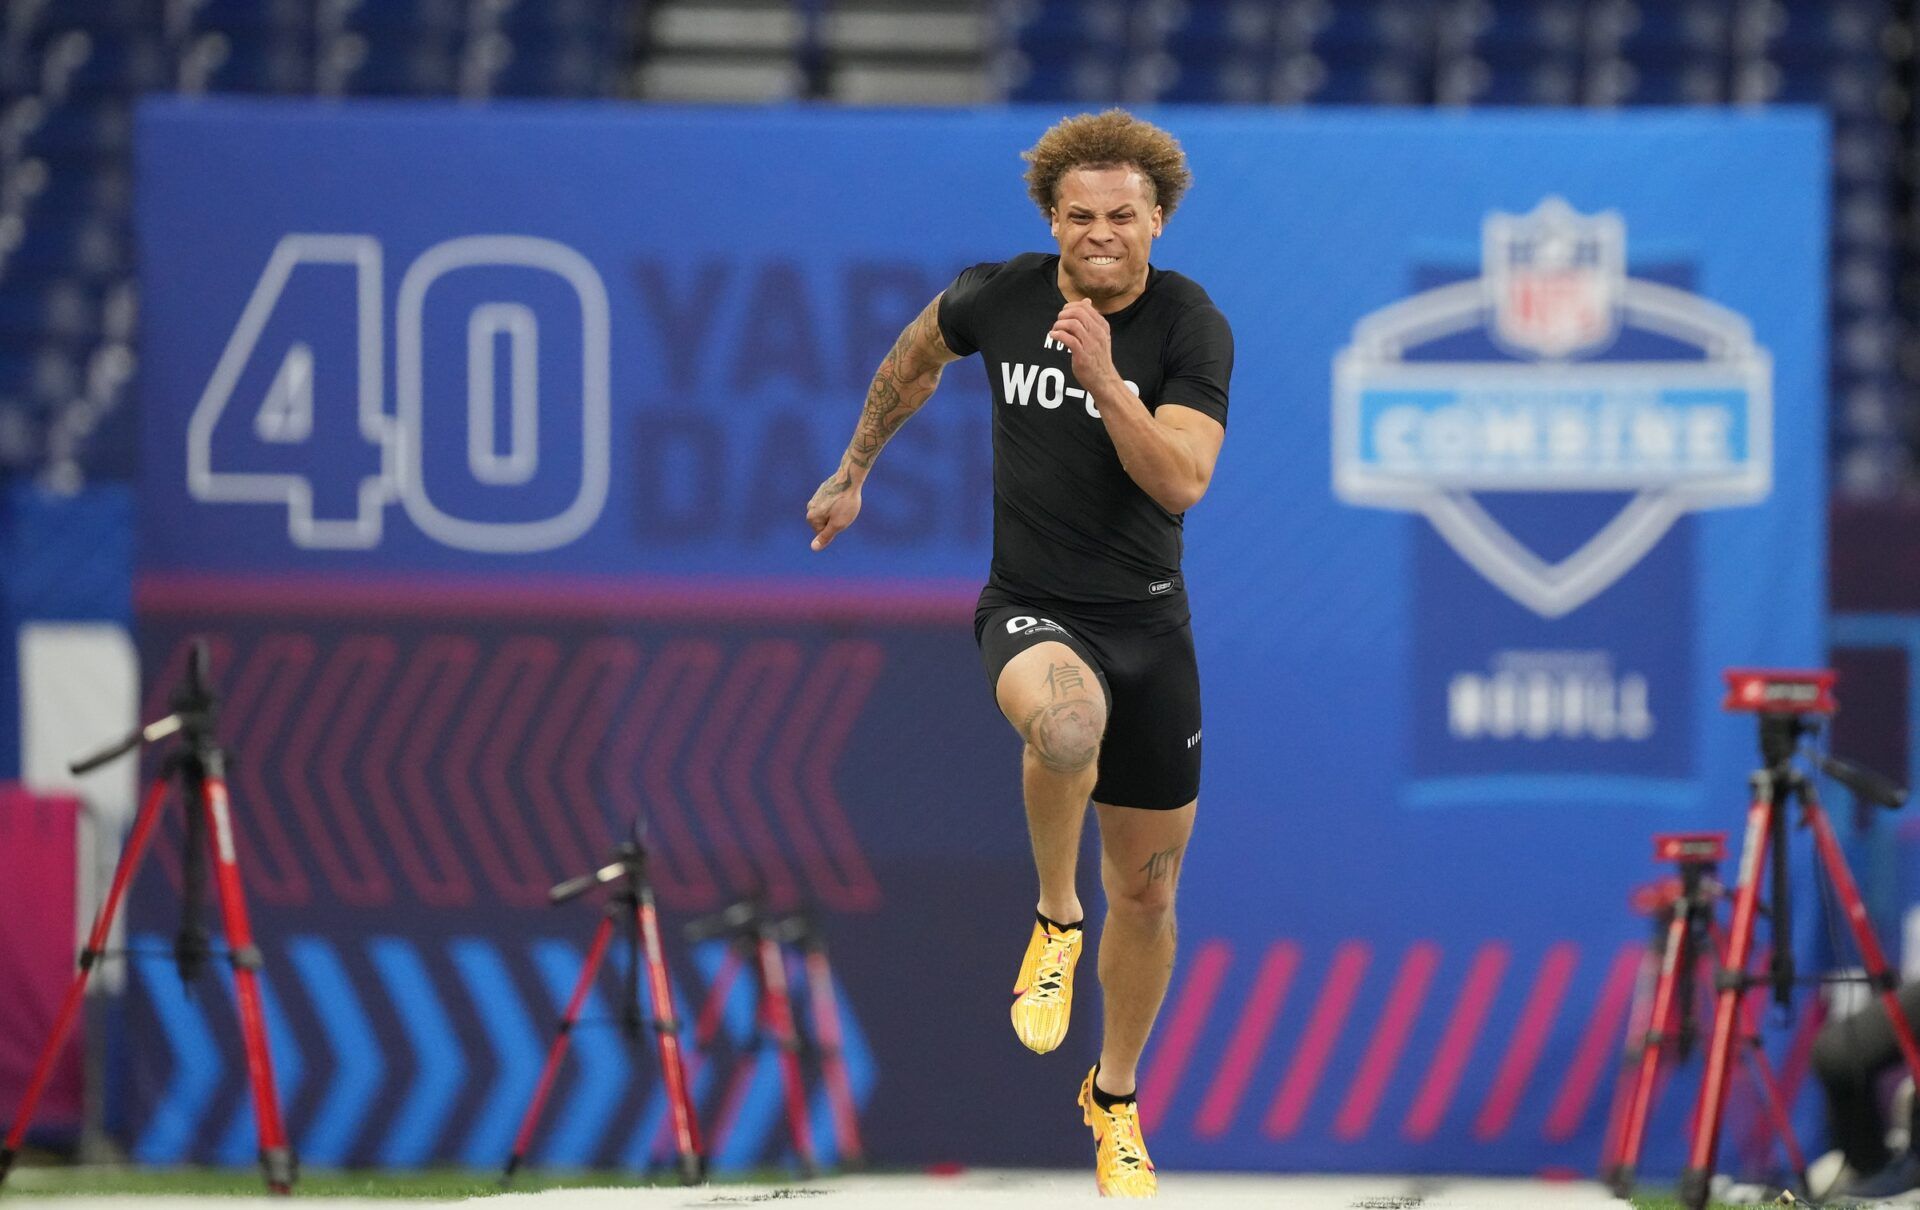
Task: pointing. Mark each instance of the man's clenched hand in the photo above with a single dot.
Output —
(1088, 337)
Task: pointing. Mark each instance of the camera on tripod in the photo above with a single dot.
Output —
(1792, 705)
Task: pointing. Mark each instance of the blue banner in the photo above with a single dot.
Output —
(1526, 445)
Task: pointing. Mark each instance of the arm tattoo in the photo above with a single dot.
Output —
(906, 377)
(840, 482)
(1164, 865)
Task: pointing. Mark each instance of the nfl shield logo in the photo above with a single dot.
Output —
(1555, 277)
(1416, 426)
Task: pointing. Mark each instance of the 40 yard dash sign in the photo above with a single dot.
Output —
(298, 414)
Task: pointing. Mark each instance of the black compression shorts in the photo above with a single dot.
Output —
(1150, 755)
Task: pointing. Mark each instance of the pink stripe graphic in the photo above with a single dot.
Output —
(671, 697)
(1536, 1022)
(480, 761)
(572, 821)
(618, 661)
(1389, 1038)
(262, 696)
(863, 661)
(1597, 1046)
(778, 670)
(721, 599)
(1248, 1041)
(375, 658)
(1456, 1044)
(1161, 1081)
(1323, 1031)
(418, 712)
(334, 712)
(835, 689)
(744, 689)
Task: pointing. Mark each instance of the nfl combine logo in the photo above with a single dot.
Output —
(1520, 380)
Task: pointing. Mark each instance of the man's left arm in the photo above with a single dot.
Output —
(1170, 451)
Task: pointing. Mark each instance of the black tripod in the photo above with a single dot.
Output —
(199, 764)
(630, 904)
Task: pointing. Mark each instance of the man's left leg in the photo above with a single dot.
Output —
(1140, 869)
(1140, 854)
(1150, 760)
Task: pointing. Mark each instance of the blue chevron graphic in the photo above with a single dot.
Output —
(436, 1049)
(862, 1075)
(599, 1056)
(758, 1115)
(738, 1017)
(358, 1064)
(652, 1142)
(515, 1041)
(197, 1065)
(241, 1143)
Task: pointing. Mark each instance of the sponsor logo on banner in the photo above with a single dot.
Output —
(1687, 427)
(1554, 417)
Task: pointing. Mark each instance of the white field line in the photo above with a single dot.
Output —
(1011, 1190)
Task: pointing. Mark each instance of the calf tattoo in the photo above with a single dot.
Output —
(1164, 865)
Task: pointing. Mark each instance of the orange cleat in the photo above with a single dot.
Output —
(1043, 994)
(1121, 1166)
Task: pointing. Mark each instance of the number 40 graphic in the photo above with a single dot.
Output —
(285, 414)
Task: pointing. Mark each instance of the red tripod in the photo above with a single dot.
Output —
(757, 932)
(632, 903)
(823, 1009)
(200, 765)
(1686, 945)
(1790, 706)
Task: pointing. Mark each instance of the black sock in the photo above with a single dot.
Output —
(1107, 1100)
(1055, 925)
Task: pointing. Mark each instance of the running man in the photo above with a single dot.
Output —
(1110, 399)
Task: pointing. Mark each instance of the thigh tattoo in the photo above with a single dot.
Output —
(1065, 730)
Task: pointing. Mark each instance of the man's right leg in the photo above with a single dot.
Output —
(1053, 699)
(1057, 705)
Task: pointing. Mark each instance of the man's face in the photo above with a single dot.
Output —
(1105, 220)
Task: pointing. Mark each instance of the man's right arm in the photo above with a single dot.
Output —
(904, 381)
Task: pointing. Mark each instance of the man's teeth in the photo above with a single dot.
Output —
(1101, 260)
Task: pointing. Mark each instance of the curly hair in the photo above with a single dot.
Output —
(1107, 140)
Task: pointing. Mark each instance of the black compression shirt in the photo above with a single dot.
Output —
(1068, 523)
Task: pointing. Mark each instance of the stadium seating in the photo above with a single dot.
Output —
(70, 70)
